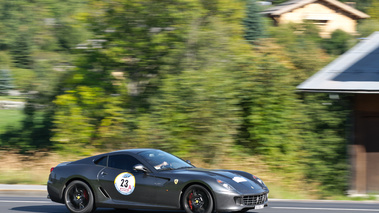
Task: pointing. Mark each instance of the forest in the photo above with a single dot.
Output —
(207, 80)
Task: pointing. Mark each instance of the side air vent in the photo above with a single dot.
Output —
(103, 192)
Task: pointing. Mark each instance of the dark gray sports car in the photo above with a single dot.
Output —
(152, 179)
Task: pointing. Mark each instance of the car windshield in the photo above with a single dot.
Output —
(161, 160)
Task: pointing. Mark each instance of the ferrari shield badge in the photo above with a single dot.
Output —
(176, 181)
(125, 183)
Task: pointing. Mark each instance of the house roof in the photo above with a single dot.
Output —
(356, 71)
(294, 4)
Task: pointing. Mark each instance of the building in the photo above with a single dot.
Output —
(357, 72)
(329, 15)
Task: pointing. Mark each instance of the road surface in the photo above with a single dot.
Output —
(39, 204)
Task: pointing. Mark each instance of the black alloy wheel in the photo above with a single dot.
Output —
(79, 197)
(197, 199)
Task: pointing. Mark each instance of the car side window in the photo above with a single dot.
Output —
(101, 161)
(124, 162)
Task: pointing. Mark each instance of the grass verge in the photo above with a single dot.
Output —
(34, 168)
(10, 118)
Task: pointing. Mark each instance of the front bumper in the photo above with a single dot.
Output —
(227, 201)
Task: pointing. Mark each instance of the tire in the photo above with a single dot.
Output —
(197, 199)
(78, 197)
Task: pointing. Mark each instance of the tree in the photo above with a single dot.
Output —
(278, 1)
(368, 26)
(94, 104)
(301, 43)
(362, 5)
(135, 38)
(253, 22)
(290, 127)
(21, 51)
(30, 42)
(339, 42)
(196, 110)
(5, 82)
(176, 75)
(146, 43)
(271, 115)
(324, 127)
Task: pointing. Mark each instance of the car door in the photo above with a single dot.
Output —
(125, 185)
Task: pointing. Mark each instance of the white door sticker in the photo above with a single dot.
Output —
(125, 183)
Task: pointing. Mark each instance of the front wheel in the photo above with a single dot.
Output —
(78, 197)
(197, 199)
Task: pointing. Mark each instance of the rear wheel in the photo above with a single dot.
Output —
(78, 197)
(197, 199)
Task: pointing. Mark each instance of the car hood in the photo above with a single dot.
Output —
(243, 184)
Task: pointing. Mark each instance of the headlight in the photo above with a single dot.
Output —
(225, 185)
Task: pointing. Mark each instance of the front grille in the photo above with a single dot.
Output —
(252, 200)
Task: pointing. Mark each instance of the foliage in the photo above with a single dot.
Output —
(6, 83)
(325, 141)
(5, 60)
(32, 49)
(367, 27)
(143, 56)
(253, 22)
(373, 10)
(197, 109)
(33, 33)
(278, 1)
(81, 128)
(10, 118)
(316, 124)
(90, 108)
(362, 5)
(339, 42)
(302, 43)
(176, 75)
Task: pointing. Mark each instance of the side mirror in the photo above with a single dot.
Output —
(188, 161)
(140, 167)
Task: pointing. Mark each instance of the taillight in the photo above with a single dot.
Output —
(51, 169)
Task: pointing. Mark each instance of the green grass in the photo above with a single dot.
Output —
(10, 117)
(11, 98)
(26, 176)
(281, 192)
(368, 197)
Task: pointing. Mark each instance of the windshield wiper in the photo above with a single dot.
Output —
(167, 168)
(184, 167)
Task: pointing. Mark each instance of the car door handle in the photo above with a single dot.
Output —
(103, 173)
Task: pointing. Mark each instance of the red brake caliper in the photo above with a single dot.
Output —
(85, 194)
(190, 200)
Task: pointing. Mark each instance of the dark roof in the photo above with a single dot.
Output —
(288, 6)
(135, 151)
(356, 71)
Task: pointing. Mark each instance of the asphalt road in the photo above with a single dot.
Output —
(13, 203)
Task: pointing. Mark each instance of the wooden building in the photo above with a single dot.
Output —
(357, 72)
(329, 15)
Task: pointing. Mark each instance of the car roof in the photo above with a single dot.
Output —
(134, 151)
(125, 151)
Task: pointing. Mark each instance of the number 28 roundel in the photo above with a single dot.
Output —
(125, 183)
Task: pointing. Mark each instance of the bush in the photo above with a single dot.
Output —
(339, 42)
